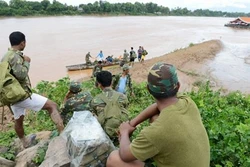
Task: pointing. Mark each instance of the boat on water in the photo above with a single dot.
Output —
(240, 22)
(85, 66)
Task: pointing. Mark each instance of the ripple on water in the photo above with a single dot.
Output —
(231, 66)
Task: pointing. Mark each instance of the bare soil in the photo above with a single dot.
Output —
(190, 62)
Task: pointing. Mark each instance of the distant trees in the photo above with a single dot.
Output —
(45, 7)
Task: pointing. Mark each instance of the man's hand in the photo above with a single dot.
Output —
(26, 58)
(126, 129)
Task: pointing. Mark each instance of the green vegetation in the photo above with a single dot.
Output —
(191, 44)
(226, 119)
(34, 8)
(40, 155)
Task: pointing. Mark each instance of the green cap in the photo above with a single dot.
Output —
(75, 87)
(162, 78)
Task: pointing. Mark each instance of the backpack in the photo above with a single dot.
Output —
(96, 156)
(113, 114)
(10, 89)
(133, 55)
(144, 52)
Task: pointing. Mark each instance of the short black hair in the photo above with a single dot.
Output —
(168, 94)
(132, 48)
(99, 62)
(104, 78)
(16, 38)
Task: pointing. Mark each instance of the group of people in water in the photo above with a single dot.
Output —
(175, 135)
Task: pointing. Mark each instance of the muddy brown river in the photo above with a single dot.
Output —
(54, 42)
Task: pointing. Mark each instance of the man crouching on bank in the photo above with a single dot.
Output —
(176, 135)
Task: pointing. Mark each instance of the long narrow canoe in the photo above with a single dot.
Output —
(86, 66)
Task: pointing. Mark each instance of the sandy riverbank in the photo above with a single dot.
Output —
(190, 62)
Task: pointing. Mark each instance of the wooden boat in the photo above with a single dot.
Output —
(240, 22)
(85, 66)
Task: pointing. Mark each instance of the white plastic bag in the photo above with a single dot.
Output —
(87, 143)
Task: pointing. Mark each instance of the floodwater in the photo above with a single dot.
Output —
(55, 42)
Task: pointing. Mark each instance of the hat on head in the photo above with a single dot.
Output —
(162, 78)
(75, 87)
(125, 67)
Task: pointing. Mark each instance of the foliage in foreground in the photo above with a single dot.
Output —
(226, 119)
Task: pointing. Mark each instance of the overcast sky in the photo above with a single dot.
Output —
(223, 5)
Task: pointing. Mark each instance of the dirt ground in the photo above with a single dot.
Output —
(190, 62)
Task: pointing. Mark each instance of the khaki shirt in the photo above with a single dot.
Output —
(176, 138)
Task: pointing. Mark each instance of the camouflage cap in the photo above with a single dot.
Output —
(75, 87)
(162, 78)
(125, 67)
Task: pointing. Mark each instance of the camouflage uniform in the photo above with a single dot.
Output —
(98, 105)
(117, 77)
(96, 69)
(20, 68)
(125, 56)
(87, 58)
(77, 101)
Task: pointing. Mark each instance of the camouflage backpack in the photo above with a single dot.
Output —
(10, 89)
(113, 114)
(133, 55)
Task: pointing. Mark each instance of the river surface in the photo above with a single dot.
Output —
(55, 42)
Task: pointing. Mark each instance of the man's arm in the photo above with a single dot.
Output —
(124, 151)
(20, 66)
(115, 81)
(123, 100)
(149, 112)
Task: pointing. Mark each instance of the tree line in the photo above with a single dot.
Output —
(45, 7)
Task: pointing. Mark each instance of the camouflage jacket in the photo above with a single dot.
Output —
(77, 102)
(116, 80)
(98, 105)
(87, 58)
(19, 67)
(126, 56)
(96, 69)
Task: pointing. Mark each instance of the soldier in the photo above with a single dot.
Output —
(125, 56)
(132, 57)
(144, 53)
(176, 135)
(97, 68)
(139, 53)
(20, 65)
(75, 100)
(99, 103)
(122, 82)
(87, 58)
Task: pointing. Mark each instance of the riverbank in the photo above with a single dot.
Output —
(190, 62)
